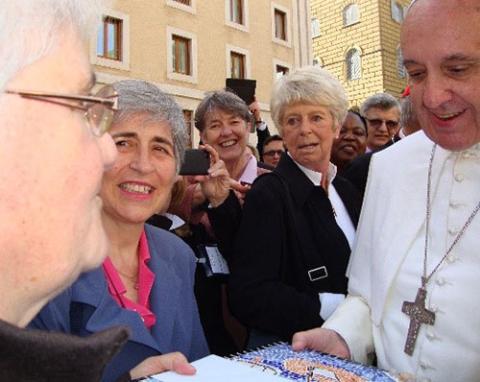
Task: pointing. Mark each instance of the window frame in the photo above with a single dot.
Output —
(315, 27)
(240, 51)
(401, 70)
(178, 4)
(192, 77)
(395, 5)
(123, 39)
(359, 52)
(278, 63)
(287, 28)
(348, 8)
(244, 25)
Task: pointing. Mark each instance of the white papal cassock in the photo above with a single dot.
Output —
(387, 264)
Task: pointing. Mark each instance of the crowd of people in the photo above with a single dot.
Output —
(115, 267)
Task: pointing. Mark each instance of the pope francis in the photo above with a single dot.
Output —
(414, 271)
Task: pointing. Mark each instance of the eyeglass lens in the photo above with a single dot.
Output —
(273, 152)
(376, 123)
(100, 116)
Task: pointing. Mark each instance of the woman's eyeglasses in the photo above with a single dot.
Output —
(99, 108)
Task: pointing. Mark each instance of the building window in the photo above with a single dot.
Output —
(109, 39)
(181, 55)
(397, 11)
(181, 52)
(317, 61)
(183, 5)
(111, 45)
(237, 65)
(351, 15)
(236, 11)
(280, 25)
(315, 27)
(188, 117)
(354, 64)
(400, 67)
(281, 71)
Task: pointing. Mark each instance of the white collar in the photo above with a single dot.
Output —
(314, 176)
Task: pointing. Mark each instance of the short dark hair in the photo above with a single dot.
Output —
(271, 138)
(221, 100)
(362, 118)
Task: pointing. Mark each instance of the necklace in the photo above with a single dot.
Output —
(416, 310)
(133, 278)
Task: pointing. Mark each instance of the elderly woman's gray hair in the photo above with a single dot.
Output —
(137, 97)
(223, 100)
(309, 85)
(382, 101)
(30, 29)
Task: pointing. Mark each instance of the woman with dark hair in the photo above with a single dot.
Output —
(351, 141)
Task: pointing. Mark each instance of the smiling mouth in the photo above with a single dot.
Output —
(228, 143)
(447, 116)
(308, 146)
(136, 188)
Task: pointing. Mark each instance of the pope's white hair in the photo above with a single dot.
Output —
(30, 28)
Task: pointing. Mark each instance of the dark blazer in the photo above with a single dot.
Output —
(282, 237)
(357, 171)
(87, 307)
(40, 356)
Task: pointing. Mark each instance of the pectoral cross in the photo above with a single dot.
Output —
(419, 315)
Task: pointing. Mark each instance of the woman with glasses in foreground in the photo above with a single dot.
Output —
(146, 282)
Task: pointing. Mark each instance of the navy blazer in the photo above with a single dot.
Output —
(87, 307)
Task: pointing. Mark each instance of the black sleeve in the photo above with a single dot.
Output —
(357, 172)
(225, 220)
(261, 136)
(259, 294)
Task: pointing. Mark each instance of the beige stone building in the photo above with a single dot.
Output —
(188, 47)
(358, 40)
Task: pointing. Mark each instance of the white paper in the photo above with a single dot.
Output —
(218, 369)
(218, 264)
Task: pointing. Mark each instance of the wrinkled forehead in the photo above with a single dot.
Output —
(425, 16)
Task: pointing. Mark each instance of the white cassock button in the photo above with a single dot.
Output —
(440, 281)
(430, 335)
(433, 308)
(451, 258)
(424, 365)
(454, 205)
(459, 177)
(453, 231)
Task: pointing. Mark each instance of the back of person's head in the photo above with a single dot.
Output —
(29, 29)
(309, 85)
(382, 101)
(142, 97)
(221, 100)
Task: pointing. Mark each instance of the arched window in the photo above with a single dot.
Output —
(351, 15)
(315, 27)
(354, 64)
(397, 11)
(400, 67)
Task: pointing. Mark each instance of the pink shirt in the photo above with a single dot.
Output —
(145, 279)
